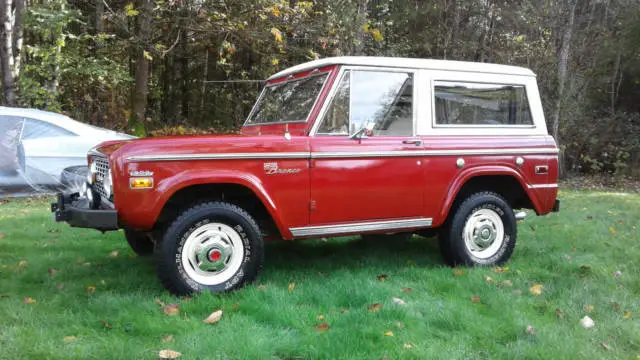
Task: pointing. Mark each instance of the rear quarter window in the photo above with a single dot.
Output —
(481, 104)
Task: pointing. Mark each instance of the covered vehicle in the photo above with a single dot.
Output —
(37, 146)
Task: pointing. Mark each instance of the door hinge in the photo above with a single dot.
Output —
(312, 205)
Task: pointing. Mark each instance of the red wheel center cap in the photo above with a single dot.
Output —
(215, 255)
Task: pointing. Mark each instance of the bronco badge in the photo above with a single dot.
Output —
(272, 169)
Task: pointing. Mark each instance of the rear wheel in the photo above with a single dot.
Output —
(212, 247)
(482, 231)
(141, 243)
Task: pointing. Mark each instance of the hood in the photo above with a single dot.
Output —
(181, 145)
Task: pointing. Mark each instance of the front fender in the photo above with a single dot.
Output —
(469, 173)
(144, 212)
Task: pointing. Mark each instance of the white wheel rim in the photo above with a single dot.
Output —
(483, 233)
(212, 254)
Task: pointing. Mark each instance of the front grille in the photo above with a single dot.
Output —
(102, 171)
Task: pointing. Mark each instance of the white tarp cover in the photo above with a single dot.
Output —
(21, 174)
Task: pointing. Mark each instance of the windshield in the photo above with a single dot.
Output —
(288, 101)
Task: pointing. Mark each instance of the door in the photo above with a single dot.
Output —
(380, 175)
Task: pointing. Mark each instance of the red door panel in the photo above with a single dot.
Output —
(367, 179)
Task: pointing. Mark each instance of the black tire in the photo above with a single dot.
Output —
(141, 243)
(171, 270)
(451, 238)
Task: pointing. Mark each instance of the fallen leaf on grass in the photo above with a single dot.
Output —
(322, 327)
(605, 346)
(374, 307)
(159, 302)
(619, 222)
(60, 286)
(589, 217)
(532, 228)
(388, 333)
(612, 230)
(87, 264)
(320, 317)
(105, 324)
(500, 269)
(171, 309)
(292, 286)
(102, 282)
(168, 354)
(573, 249)
(114, 253)
(53, 271)
(397, 301)
(69, 338)
(517, 292)
(489, 279)
(23, 264)
(4, 296)
(475, 299)
(1, 236)
(409, 262)
(588, 308)
(261, 287)
(399, 325)
(531, 330)
(91, 290)
(617, 273)
(536, 289)
(627, 315)
(382, 277)
(559, 314)
(615, 306)
(407, 346)
(407, 290)
(506, 283)
(458, 272)
(29, 300)
(214, 317)
(587, 322)
(167, 338)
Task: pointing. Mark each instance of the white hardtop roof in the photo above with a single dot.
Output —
(398, 62)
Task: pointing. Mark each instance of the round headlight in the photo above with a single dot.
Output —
(93, 169)
(107, 184)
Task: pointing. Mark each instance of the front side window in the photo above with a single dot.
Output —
(384, 98)
(35, 129)
(459, 103)
(289, 101)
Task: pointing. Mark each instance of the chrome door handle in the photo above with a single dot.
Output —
(416, 142)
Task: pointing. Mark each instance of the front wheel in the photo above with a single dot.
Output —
(482, 231)
(214, 247)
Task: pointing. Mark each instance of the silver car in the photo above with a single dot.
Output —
(36, 146)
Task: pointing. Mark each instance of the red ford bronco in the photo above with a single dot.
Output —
(338, 146)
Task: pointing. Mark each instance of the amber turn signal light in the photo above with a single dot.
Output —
(141, 183)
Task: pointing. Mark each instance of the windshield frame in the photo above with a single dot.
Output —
(291, 78)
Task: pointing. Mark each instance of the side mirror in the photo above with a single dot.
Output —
(364, 131)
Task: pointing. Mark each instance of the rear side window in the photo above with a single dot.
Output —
(35, 129)
(466, 103)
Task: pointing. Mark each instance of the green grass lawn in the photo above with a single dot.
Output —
(90, 289)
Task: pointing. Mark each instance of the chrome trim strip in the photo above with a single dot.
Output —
(355, 228)
(413, 153)
(93, 152)
(542, 186)
(222, 156)
(339, 155)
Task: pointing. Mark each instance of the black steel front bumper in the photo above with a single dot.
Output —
(75, 211)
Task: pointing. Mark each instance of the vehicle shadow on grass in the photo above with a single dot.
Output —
(352, 252)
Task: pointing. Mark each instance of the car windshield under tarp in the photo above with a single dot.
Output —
(288, 101)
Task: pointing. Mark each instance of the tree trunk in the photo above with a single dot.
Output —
(361, 21)
(99, 16)
(141, 87)
(8, 61)
(18, 36)
(563, 64)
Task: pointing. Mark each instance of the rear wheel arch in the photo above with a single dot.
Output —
(505, 182)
